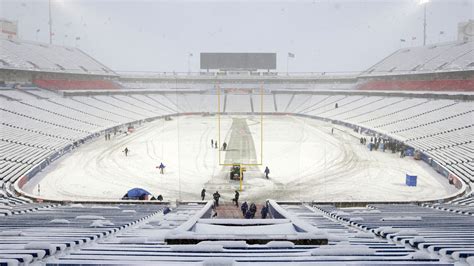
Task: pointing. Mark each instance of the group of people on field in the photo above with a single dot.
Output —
(376, 143)
(248, 211)
(214, 145)
(107, 136)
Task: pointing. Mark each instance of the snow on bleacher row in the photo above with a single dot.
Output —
(453, 56)
(32, 56)
(144, 242)
(51, 230)
(441, 234)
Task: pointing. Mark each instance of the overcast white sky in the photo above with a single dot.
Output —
(330, 36)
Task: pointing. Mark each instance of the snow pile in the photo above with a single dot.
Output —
(356, 219)
(470, 261)
(90, 217)
(337, 237)
(197, 248)
(417, 239)
(386, 230)
(226, 244)
(419, 255)
(340, 213)
(158, 236)
(366, 211)
(10, 262)
(286, 229)
(101, 223)
(146, 226)
(133, 240)
(41, 245)
(165, 225)
(104, 207)
(402, 218)
(11, 233)
(364, 235)
(280, 244)
(343, 250)
(407, 232)
(59, 221)
(218, 262)
(76, 205)
(130, 211)
(5, 207)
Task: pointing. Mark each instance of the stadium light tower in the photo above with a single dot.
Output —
(424, 3)
(51, 19)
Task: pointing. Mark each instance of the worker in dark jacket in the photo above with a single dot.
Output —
(264, 212)
(267, 171)
(216, 198)
(244, 207)
(203, 193)
(253, 209)
(236, 198)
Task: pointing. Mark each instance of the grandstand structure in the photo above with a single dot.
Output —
(436, 67)
(54, 99)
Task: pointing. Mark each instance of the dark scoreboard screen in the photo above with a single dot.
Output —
(238, 61)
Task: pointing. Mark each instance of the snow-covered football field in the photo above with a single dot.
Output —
(306, 161)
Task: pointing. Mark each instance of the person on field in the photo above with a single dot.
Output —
(253, 210)
(244, 207)
(267, 171)
(216, 197)
(212, 143)
(248, 215)
(203, 193)
(126, 151)
(162, 168)
(224, 146)
(264, 212)
(236, 198)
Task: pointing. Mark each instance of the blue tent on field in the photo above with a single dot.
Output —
(137, 193)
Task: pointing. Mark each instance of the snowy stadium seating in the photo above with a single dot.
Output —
(51, 230)
(444, 57)
(39, 123)
(419, 85)
(32, 56)
(449, 237)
